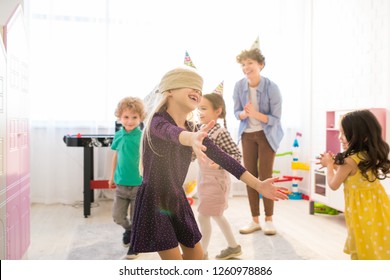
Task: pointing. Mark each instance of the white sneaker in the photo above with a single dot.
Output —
(249, 228)
(269, 228)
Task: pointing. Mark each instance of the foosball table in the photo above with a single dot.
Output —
(88, 142)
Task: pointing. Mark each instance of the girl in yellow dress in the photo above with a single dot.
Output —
(363, 163)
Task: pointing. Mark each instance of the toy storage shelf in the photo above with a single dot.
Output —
(320, 185)
(319, 190)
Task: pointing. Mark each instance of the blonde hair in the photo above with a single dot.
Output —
(160, 105)
(180, 77)
(132, 103)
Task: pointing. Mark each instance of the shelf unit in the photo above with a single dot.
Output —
(14, 140)
(320, 191)
(3, 135)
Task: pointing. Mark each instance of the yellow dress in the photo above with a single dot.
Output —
(367, 215)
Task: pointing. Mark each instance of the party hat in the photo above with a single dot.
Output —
(219, 89)
(188, 61)
(256, 44)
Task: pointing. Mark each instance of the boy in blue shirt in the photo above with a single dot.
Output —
(125, 173)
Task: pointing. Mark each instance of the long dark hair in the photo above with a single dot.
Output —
(364, 134)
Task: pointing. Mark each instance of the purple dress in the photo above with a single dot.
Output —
(163, 217)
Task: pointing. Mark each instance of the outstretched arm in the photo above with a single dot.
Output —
(195, 140)
(267, 187)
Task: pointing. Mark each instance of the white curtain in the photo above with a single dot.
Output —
(85, 55)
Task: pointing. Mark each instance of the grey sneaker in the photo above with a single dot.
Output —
(229, 253)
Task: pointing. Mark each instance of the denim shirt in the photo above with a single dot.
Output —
(270, 104)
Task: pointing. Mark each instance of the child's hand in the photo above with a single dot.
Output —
(318, 162)
(269, 190)
(325, 159)
(111, 184)
(207, 127)
(197, 141)
(214, 165)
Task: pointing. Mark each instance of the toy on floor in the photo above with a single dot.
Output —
(295, 166)
(293, 179)
(190, 190)
(320, 208)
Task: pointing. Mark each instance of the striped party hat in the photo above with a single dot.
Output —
(219, 89)
(188, 61)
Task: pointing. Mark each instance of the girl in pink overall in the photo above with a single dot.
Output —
(213, 181)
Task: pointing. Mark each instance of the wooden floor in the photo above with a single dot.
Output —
(318, 237)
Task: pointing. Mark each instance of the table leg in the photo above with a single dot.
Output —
(311, 207)
(88, 176)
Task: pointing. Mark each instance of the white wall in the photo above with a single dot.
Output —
(324, 55)
(57, 170)
(350, 59)
(212, 46)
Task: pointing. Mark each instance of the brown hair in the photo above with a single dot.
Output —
(217, 102)
(254, 54)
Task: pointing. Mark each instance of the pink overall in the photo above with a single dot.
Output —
(213, 187)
